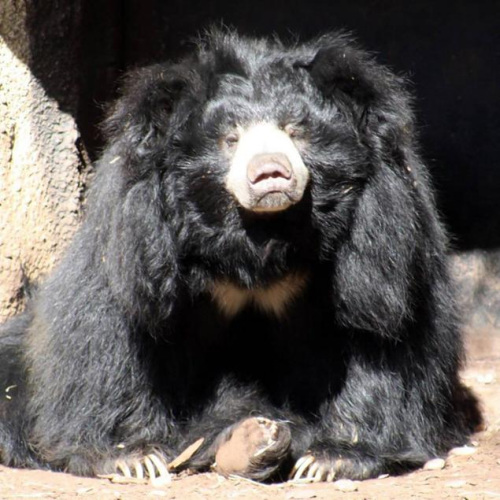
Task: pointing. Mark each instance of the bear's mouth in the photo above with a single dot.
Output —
(272, 201)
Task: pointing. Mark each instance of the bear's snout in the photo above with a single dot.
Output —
(265, 167)
(271, 180)
(267, 173)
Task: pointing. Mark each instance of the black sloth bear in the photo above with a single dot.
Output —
(261, 266)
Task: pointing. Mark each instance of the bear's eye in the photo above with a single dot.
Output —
(292, 130)
(231, 139)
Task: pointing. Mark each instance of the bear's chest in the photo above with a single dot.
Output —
(273, 300)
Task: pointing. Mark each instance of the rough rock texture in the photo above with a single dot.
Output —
(478, 276)
(42, 167)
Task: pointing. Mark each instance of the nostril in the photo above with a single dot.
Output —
(269, 166)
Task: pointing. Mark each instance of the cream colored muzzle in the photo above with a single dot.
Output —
(267, 173)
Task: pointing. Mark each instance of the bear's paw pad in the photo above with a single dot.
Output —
(254, 444)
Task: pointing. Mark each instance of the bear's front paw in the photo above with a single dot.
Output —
(152, 466)
(318, 468)
(254, 448)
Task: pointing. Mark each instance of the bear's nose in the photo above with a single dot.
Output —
(269, 166)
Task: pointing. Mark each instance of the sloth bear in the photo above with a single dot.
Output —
(261, 272)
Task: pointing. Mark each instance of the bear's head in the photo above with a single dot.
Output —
(264, 121)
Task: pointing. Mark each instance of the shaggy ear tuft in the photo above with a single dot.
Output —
(337, 69)
(374, 97)
(141, 123)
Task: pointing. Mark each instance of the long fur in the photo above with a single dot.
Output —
(123, 348)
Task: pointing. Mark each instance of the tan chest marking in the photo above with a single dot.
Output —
(274, 299)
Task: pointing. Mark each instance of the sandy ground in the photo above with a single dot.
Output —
(474, 475)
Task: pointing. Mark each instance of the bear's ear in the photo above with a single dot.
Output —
(371, 95)
(338, 69)
(141, 125)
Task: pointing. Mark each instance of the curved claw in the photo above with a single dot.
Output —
(330, 476)
(160, 464)
(308, 468)
(312, 470)
(139, 469)
(320, 474)
(149, 467)
(152, 466)
(123, 468)
(298, 463)
(301, 466)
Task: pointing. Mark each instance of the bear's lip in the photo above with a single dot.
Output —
(274, 193)
(273, 201)
(273, 185)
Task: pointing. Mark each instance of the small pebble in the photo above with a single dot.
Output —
(84, 491)
(301, 495)
(383, 476)
(456, 484)
(463, 451)
(435, 464)
(345, 485)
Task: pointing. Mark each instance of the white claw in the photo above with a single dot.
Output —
(298, 463)
(123, 468)
(273, 431)
(312, 470)
(149, 467)
(139, 469)
(330, 476)
(160, 465)
(263, 450)
(152, 466)
(302, 464)
(319, 475)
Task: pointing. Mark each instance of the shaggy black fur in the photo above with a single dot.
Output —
(124, 349)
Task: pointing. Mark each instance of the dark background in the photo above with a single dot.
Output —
(449, 49)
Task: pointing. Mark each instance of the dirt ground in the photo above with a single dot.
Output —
(472, 473)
